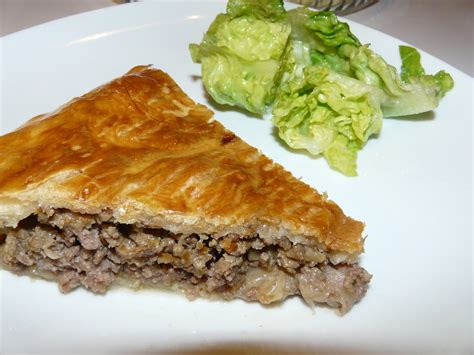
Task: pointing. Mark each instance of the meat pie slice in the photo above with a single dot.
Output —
(135, 184)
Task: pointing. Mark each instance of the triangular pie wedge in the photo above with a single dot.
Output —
(135, 184)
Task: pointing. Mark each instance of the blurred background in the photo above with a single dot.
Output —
(442, 28)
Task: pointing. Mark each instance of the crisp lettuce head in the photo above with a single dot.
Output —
(328, 91)
(240, 54)
(327, 113)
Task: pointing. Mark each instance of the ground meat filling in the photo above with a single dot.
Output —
(95, 252)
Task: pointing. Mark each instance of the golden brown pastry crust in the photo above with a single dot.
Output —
(139, 147)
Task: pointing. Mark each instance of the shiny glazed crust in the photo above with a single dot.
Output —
(139, 148)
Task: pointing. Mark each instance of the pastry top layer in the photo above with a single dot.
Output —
(139, 148)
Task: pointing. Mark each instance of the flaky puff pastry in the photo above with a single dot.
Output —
(141, 149)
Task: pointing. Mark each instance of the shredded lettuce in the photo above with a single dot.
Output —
(328, 92)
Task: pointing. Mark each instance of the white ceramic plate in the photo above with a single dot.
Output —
(414, 193)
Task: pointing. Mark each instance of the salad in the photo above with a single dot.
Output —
(326, 90)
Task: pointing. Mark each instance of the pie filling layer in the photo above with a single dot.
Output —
(96, 252)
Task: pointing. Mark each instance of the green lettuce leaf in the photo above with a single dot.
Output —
(241, 52)
(322, 30)
(297, 56)
(327, 113)
(412, 71)
(315, 39)
(411, 63)
(412, 93)
(258, 8)
(324, 34)
(333, 62)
